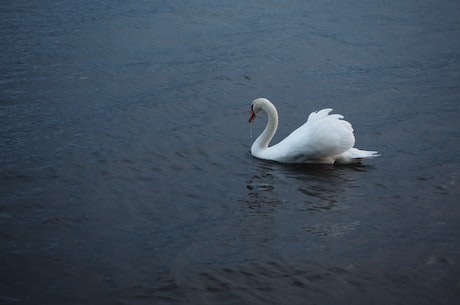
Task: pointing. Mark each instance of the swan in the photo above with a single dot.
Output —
(325, 138)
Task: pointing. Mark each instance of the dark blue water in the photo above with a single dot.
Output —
(125, 173)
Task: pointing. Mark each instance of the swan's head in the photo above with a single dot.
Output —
(257, 106)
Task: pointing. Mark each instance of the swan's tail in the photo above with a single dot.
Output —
(355, 155)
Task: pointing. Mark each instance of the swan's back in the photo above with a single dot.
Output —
(321, 138)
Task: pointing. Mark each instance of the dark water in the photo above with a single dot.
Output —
(125, 174)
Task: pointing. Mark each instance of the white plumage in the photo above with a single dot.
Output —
(324, 138)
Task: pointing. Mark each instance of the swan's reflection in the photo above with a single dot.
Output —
(295, 198)
(312, 187)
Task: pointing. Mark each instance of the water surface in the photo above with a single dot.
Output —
(125, 173)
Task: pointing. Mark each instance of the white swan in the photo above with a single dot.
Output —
(324, 138)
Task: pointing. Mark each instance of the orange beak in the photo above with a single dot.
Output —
(252, 117)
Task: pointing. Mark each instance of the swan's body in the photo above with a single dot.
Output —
(324, 138)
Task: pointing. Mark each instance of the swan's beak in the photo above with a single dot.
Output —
(252, 117)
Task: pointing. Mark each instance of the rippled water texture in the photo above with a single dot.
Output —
(125, 173)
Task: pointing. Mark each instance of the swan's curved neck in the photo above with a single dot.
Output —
(262, 142)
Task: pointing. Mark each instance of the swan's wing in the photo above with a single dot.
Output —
(330, 136)
(323, 136)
